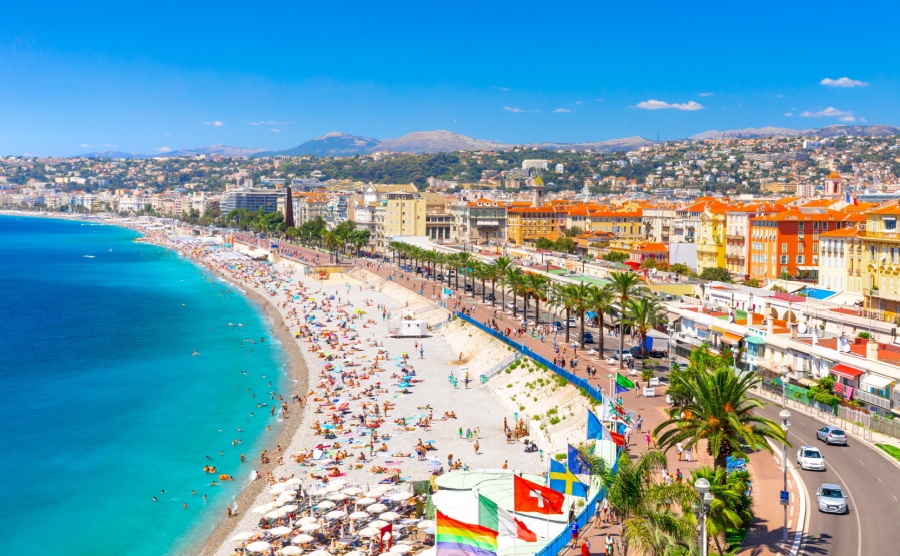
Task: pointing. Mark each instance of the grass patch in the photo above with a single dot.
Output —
(734, 540)
(554, 420)
(892, 450)
(560, 457)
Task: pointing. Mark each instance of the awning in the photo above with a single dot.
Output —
(756, 340)
(718, 330)
(807, 382)
(877, 381)
(699, 326)
(846, 371)
(732, 339)
(807, 268)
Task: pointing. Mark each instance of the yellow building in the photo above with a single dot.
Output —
(711, 239)
(881, 257)
(840, 260)
(404, 215)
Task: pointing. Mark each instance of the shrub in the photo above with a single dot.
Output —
(864, 335)
(554, 420)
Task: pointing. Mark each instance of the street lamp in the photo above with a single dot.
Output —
(785, 425)
(785, 370)
(706, 498)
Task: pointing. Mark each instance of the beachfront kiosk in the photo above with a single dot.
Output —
(407, 326)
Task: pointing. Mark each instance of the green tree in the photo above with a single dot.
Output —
(543, 243)
(731, 508)
(500, 264)
(717, 274)
(564, 245)
(514, 280)
(625, 286)
(681, 269)
(649, 262)
(601, 301)
(643, 314)
(574, 231)
(561, 298)
(718, 411)
(752, 282)
(615, 256)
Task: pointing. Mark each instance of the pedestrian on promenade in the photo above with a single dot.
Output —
(640, 422)
(476, 447)
(421, 353)
(647, 438)
(585, 548)
(609, 544)
(574, 534)
(679, 448)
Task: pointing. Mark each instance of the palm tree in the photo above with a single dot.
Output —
(601, 301)
(500, 264)
(514, 279)
(624, 285)
(536, 285)
(731, 506)
(464, 260)
(581, 295)
(642, 314)
(481, 271)
(643, 506)
(560, 298)
(718, 410)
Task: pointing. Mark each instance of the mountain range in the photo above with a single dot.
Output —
(427, 142)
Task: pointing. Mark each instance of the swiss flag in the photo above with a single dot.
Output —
(532, 497)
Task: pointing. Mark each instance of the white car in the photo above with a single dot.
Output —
(809, 457)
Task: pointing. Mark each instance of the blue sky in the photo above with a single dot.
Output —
(81, 77)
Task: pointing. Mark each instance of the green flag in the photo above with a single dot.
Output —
(624, 382)
(487, 513)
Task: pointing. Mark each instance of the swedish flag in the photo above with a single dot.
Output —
(562, 480)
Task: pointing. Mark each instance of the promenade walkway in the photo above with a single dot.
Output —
(765, 535)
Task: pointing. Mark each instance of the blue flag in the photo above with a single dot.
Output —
(562, 480)
(577, 463)
(596, 430)
(621, 389)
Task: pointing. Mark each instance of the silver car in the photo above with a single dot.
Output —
(809, 457)
(832, 435)
(831, 499)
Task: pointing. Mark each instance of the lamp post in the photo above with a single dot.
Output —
(785, 425)
(706, 498)
(785, 370)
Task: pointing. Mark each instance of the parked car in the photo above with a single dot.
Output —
(809, 457)
(510, 305)
(489, 298)
(627, 355)
(638, 352)
(557, 325)
(832, 435)
(831, 499)
(573, 323)
(657, 353)
(418, 270)
(588, 337)
(439, 277)
(469, 287)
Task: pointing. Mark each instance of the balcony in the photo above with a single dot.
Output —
(735, 236)
(872, 399)
(735, 256)
(887, 235)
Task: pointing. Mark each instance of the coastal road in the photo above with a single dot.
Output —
(871, 481)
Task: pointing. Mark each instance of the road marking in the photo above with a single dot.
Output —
(895, 497)
(855, 514)
(862, 462)
(877, 479)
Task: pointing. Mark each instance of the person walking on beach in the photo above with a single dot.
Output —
(476, 447)
(421, 353)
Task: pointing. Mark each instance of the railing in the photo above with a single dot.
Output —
(873, 399)
(501, 365)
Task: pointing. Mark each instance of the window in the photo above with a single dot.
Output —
(815, 260)
(815, 225)
(825, 226)
(800, 236)
(815, 247)
(799, 247)
(800, 259)
(800, 225)
(890, 224)
(784, 259)
(784, 247)
(816, 235)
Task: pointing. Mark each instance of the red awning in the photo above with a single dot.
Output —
(847, 371)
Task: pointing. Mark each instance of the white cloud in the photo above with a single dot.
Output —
(164, 149)
(268, 122)
(706, 94)
(779, 96)
(517, 110)
(788, 114)
(276, 130)
(504, 89)
(843, 82)
(660, 105)
(598, 99)
(830, 112)
(863, 120)
(110, 145)
(563, 111)
(214, 123)
(848, 119)
(167, 134)
(578, 102)
(85, 146)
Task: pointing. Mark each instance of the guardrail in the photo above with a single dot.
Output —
(579, 382)
(501, 365)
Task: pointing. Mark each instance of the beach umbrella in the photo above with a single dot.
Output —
(401, 548)
(308, 519)
(320, 553)
(376, 508)
(258, 546)
(287, 496)
(336, 514)
(337, 496)
(425, 524)
(341, 483)
(291, 550)
(378, 523)
(289, 508)
(264, 509)
(365, 501)
(359, 515)
(389, 516)
(278, 488)
(368, 532)
(309, 527)
(303, 539)
(279, 531)
(333, 487)
(355, 553)
(293, 481)
(243, 536)
(326, 505)
(352, 491)
(400, 496)
(389, 553)
(274, 514)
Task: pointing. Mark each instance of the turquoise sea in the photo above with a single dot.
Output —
(102, 404)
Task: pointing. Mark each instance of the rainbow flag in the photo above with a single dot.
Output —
(456, 538)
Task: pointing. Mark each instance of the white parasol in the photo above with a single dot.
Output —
(292, 550)
(368, 532)
(401, 548)
(365, 501)
(309, 527)
(389, 516)
(325, 505)
(378, 523)
(243, 536)
(352, 491)
(258, 546)
(376, 508)
(400, 496)
(307, 519)
(336, 514)
(303, 539)
(359, 515)
(425, 524)
(288, 509)
(279, 531)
